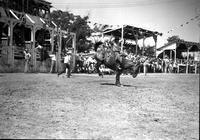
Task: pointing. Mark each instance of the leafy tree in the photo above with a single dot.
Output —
(173, 38)
(149, 51)
(73, 23)
(63, 19)
(82, 30)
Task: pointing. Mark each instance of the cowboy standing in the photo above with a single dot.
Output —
(27, 56)
(67, 65)
(166, 64)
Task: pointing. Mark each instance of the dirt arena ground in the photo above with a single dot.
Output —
(152, 107)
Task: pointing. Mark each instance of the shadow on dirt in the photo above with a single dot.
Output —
(111, 84)
(133, 86)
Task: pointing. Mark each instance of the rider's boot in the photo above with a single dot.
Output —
(119, 62)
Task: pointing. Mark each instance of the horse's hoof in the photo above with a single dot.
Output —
(101, 75)
(119, 85)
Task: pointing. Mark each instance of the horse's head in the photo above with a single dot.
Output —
(135, 69)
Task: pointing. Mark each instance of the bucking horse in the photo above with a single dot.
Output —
(105, 55)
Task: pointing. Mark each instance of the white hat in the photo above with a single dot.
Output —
(69, 52)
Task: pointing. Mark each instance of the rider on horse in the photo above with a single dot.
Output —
(106, 50)
(119, 55)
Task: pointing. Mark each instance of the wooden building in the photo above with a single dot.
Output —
(24, 23)
(127, 32)
(185, 53)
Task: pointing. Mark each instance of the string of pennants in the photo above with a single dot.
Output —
(197, 18)
(103, 27)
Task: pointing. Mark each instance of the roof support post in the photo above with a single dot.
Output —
(122, 38)
(10, 46)
(59, 47)
(52, 40)
(143, 45)
(74, 50)
(136, 42)
(33, 31)
(175, 55)
(170, 54)
(58, 54)
(155, 39)
(187, 65)
(163, 54)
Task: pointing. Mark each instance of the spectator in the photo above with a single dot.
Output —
(53, 62)
(130, 56)
(27, 56)
(38, 46)
(175, 67)
(166, 64)
(67, 65)
(146, 63)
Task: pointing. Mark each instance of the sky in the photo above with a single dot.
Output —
(154, 15)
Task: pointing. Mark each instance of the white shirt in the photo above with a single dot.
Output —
(39, 46)
(53, 57)
(67, 59)
(27, 55)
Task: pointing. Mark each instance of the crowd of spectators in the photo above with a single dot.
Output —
(149, 64)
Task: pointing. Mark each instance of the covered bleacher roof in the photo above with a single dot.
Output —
(181, 45)
(131, 32)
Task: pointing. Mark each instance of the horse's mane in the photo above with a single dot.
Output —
(97, 44)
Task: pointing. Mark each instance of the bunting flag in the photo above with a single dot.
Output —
(101, 26)
(197, 18)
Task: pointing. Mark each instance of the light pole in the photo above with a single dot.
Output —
(199, 31)
(198, 14)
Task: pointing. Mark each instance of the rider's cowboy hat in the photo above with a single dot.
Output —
(69, 52)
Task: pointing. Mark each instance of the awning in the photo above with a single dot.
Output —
(171, 46)
(131, 32)
(181, 45)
